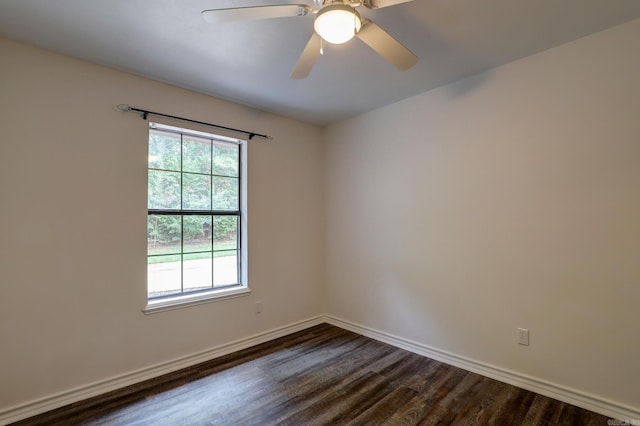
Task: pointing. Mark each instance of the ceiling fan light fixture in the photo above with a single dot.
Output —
(337, 23)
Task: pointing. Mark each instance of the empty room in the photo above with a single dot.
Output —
(259, 212)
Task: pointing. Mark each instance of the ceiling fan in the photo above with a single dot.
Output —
(336, 22)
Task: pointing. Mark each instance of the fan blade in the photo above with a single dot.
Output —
(386, 46)
(253, 13)
(377, 4)
(308, 57)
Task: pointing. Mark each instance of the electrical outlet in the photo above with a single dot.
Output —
(258, 307)
(523, 337)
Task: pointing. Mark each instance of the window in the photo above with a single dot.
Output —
(196, 228)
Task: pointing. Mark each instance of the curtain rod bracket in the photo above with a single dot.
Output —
(145, 114)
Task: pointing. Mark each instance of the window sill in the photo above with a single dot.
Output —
(180, 302)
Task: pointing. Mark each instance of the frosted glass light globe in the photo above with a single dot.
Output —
(337, 23)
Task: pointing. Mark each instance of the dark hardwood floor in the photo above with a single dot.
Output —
(320, 376)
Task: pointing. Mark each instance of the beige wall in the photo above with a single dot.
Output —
(73, 214)
(509, 199)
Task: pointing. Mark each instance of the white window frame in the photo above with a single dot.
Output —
(242, 289)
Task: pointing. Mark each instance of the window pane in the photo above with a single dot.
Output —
(225, 193)
(225, 268)
(164, 190)
(225, 159)
(196, 155)
(164, 150)
(225, 232)
(197, 271)
(164, 233)
(197, 234)
(199, 174)
(163, 275)
(196, 192)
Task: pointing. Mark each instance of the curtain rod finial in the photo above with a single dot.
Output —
(124, 107)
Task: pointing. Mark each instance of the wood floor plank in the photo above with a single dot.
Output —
(384, 408)
(418, 407)
(308, 384)
(449, 406)
(543, 411)
(320, 376)
(342, 402)
(518, 402)
(476, 403)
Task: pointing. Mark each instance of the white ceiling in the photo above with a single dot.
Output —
(250, 62)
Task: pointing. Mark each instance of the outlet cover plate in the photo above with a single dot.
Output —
(523, 337)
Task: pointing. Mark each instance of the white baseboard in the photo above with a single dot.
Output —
(581, 399)
(42, 405)
(552, 390)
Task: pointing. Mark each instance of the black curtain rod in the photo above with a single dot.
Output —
(145, 114)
